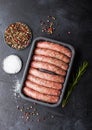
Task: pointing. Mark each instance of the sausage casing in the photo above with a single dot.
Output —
(49, 67)
(56, 47)
(46, 83)
(39, 96)
(47, 76)
(42, 89)
(54, 61)
(52, 53)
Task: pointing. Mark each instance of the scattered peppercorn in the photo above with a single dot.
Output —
(37, 113)
(31, 107)
(31, 113)
(48, 26)
(52, 116)
(69, 32)
(38, 120)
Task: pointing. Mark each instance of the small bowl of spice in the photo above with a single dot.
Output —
(18, 35)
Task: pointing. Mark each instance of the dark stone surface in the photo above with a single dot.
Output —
(73, 16)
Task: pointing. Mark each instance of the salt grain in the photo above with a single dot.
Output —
(16, 87)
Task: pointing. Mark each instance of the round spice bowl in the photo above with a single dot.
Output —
(18, 35)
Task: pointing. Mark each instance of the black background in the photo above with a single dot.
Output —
(71, 16)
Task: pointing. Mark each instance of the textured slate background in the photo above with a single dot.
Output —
(73, 16)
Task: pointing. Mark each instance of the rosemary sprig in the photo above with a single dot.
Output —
(79, 74)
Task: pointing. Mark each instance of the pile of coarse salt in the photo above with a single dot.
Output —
(12, 64)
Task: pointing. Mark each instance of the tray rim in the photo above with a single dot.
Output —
(27, 66)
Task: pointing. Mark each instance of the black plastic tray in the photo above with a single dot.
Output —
(27, 68)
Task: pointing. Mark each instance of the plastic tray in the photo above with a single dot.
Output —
(27, 68)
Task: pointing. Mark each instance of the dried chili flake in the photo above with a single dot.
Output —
(53, 18)
(50, 30)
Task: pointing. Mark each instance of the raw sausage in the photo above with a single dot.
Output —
(56, 47)
(42, 89)
(51, 60)
(47, 76)
(39, 96)
(52, 53)
(46, 83)
(49, 67)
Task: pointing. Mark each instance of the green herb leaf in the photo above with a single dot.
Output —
(76, 78)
